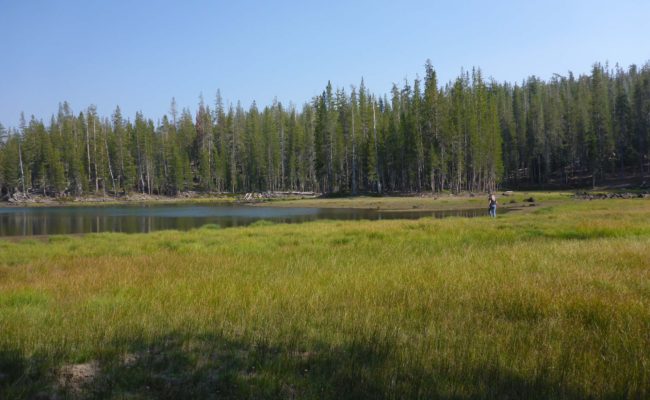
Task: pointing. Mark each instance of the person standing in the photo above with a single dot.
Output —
(492, 206)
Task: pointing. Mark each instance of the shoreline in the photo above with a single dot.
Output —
(391, 201)
(20, 200)
(387, 202)
(46, 201)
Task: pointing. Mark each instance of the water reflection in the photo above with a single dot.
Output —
(148, 218)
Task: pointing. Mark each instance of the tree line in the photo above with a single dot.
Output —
(469, 134)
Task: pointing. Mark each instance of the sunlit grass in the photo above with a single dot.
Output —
(426, 201)
(553, 303)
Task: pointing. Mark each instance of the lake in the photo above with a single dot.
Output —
(29, 221)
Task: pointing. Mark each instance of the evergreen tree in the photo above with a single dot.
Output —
(469, 134)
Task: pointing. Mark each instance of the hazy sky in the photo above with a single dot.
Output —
(139, 54)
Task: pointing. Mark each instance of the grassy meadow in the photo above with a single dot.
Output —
(439, 202)
(553, 302)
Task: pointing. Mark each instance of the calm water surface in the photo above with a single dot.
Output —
(25, 221)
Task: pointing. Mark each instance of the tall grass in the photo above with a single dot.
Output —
(549, 304)
(439, 202)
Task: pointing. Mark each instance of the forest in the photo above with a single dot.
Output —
(470, 134)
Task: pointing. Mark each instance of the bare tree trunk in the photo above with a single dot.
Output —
(108, 160)
(270, 184)
(593, 179)
(162, 154)
(374, 128)
(354, 157)
(95, 155)
(443, 174)
(210, 159)
(233, 164)
(20, 158)
(281, 153)
(330, 161)
(146, 165)
(139, 161)
(88, 149)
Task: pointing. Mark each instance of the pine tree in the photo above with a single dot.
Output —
(642, 119)
(433, 145)
(622, 124)
(466, 135)
(221, 147)
(11, 162)
(600, 123)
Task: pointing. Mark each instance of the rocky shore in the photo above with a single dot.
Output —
(28, 199)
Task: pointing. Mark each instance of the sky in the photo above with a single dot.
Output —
(139, 54)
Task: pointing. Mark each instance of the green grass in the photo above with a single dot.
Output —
(553, 303)
(426, 202)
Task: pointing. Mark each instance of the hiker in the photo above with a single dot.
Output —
(492, 206)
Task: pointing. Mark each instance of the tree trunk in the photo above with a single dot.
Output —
(88, 149)
(354, 165)
(22, 172)
(374, 129)
(108, 160)
(95, 154)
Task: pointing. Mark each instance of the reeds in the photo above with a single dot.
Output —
(549, 304)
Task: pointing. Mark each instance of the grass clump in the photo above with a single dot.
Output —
(23, 298)
(262, 222)
(552, 304)
(211, 226)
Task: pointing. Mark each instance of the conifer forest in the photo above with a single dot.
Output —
(471, 134)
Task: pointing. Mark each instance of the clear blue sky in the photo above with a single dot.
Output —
(140, 54)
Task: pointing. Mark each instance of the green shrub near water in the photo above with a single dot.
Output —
(544, 304)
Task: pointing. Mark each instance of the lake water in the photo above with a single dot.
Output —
(26, 221)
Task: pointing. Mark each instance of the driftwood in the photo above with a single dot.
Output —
(599, 196)
(19, 197)
(253, 196)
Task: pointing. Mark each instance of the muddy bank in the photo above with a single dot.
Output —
(602, 196)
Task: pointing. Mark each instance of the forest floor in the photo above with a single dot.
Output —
(551, 303)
